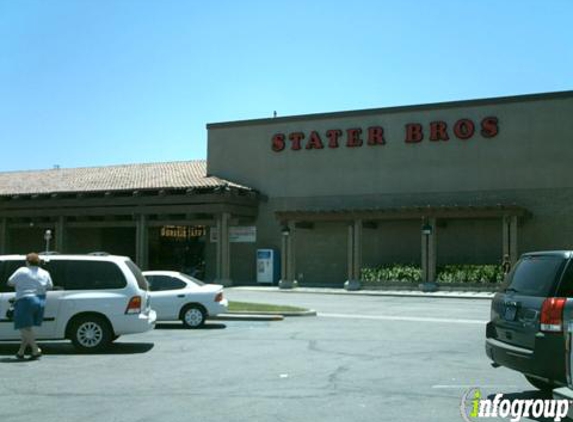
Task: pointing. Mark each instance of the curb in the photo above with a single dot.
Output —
(390, 293)
(247, 317)
(261, 316)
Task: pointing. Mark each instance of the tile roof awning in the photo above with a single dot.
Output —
(178, 175)
(405, 213)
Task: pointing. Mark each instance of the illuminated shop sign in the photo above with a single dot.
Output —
(183, 232)
(414, 133)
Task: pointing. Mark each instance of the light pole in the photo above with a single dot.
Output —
(427, 284)
(47, 238)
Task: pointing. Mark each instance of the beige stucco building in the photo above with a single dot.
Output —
(448, 183)
(489, 176)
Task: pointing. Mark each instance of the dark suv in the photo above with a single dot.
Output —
(527, 330)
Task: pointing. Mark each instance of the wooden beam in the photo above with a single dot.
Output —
(402, 214)
(137, 200)
(235, 210)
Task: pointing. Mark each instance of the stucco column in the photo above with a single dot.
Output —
(141, 242)
(223, 251)
(354, 246)
(288, 255)
(3, 236)
(60, 230)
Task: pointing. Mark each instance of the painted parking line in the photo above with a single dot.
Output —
(404, 318)
(468, 386)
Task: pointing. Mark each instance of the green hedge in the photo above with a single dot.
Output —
(388, 273)
(477, 274)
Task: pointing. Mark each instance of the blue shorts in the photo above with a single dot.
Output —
(29, 311)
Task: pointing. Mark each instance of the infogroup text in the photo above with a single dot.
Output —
(474, 407)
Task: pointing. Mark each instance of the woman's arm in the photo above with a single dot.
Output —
(12, 279)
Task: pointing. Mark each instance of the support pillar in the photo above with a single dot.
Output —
(141, 242)
(223, 251)
(429, 255)
(513, 247)
(354, 255)
(288, 255)
(59, 229)
(3, 236)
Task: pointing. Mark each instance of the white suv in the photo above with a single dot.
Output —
(96, 299)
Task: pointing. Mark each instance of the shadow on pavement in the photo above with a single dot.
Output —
(180, 326)
(8, 351)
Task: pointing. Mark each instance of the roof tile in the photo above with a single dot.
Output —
(171, 175)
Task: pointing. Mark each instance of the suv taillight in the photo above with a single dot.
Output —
(552, 314)
(134, 305)
(219, 297)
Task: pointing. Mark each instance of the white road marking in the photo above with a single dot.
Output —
(404, 318)
(468, 386)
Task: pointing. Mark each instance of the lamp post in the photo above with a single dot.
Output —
(47, 238)
(427, 284)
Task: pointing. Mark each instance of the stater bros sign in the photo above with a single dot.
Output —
(414, 133)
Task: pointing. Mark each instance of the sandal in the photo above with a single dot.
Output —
(37, 355)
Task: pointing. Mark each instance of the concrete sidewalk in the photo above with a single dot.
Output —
(397, 293)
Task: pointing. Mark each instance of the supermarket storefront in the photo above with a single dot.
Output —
(454, 183)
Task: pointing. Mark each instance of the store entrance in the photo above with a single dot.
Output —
(178, 248)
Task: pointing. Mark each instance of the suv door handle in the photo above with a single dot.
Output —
(180, 295)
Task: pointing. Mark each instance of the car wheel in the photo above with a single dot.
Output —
(540, 384)
(193, 316)
(91, 334)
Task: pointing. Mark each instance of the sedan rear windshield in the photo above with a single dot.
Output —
(536, 275)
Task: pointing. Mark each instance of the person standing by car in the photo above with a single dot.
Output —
(31, 283)
(506, 265)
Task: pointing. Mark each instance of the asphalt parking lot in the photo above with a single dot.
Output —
(360, 359)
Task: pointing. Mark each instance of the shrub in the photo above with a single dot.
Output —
(390, 273)
(478, 274)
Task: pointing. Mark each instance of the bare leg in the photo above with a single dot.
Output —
(31, 340)
(24, 343)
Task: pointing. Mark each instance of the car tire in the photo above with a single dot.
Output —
(90, 334)
(540, 384)
(193, 316)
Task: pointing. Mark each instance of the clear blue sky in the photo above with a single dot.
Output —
(102, 82)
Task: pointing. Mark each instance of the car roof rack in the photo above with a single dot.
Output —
(99, 253)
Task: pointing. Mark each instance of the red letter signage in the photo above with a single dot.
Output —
(489, 127)
(278, 142)
(314, 141)
(438, 131)
(353, 137)
(296, 138)
(464, 129)
(376, 135)
(333, 135)
(414, 133)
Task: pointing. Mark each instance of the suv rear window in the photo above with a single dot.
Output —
(536, 275)
(141, 281)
